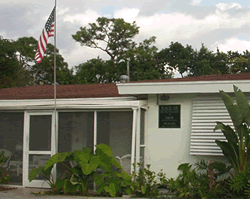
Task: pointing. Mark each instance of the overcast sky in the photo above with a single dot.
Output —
(216, 23)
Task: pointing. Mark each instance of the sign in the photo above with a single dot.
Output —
(169, 116)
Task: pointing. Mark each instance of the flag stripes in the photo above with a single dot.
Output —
(47, 32)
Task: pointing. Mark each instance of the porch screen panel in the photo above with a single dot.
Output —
(40, 132)
(75, 131)
(207, 109)
(115, 129)
(11, 142)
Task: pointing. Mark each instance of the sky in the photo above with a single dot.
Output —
(223, 24)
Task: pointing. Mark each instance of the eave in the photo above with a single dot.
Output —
(182, 87)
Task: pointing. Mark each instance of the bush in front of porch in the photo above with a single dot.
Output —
(108, 175)
(81, 165)
(4, 160)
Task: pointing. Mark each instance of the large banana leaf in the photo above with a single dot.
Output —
(232, 109)
(229, 151)
(228, 132)
(242, 103)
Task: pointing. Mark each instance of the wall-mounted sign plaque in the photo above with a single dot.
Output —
(169, 116)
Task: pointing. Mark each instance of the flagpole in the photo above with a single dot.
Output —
(55, 130)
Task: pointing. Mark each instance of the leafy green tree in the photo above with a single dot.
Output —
(43, 73)
(113, 36)
(25, 50)
(193, 62)
(95, 71)
(143, 62)
(177, 57)
(12, 74)
(239, 63)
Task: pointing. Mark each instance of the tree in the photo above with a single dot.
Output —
(239, 63)
(94, 71)
(177, 57)
(113, 36)
(43, 73)
(193, 62)
(18, 66)
(143, 62)
(12, 74)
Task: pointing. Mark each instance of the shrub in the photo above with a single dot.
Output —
(145, 183)
(201, 181)
(4, 177)
(76, 178)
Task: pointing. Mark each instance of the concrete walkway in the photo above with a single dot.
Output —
(25, 193)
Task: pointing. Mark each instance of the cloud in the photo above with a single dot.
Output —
(62, 11)
(128, 14)
(233, 44)
(88, 17)
(185, 21)
(227, 6)
(195, 2)
(178, 26)
(81, 54)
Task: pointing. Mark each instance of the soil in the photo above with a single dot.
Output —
(3, 188)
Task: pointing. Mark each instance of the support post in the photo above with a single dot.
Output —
(133, 138)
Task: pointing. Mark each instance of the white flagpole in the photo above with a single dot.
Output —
(54, 144)
(55, 130)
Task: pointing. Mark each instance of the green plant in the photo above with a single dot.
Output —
(4, 177)
(199, 182)
(114, 183)
(56, 186)
(237, 146)
(145, 183)
(76, 178)
(3, 158)
(239, 183)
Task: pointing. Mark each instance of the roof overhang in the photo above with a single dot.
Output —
(182, 87)
(84, 103)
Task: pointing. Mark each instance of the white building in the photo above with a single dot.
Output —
(159, 122)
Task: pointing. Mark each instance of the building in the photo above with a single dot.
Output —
(159, 122)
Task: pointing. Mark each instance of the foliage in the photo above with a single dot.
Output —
(84, 165)
(12, 74)
(95, 71)
(145, 183)
(239, 184)
(191, 62)
(201, 182)
(4, 177)
(115, 35)
(18, 66)
(114, 183)
(237, 146)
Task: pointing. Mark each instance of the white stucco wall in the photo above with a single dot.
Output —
(167, 148)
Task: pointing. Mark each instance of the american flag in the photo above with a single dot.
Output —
(47, 32)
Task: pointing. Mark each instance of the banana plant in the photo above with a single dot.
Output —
(237, 146)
